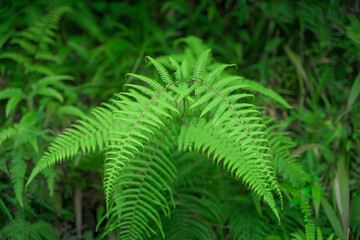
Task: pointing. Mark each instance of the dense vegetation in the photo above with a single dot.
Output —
(179, 120)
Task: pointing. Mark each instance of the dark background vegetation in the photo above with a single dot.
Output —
(307, 51)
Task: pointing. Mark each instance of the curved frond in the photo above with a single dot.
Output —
(88, 135)
(196, 108)
(139, 192)
(234, 156)
(285, 163)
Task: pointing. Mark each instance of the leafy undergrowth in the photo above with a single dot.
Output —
(188, 147)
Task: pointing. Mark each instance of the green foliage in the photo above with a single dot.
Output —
(21, 229)
(140, 146)
(183, 149)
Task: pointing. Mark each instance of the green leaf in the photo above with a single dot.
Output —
(71, 110)
(17, 174)
(18, 57)
(5, 37)
(11, 105)
(272, 44)
(319, 234)
(5, 210)
(40, 69)
(257, 87)
(334, 221)
(201, 64)
(316, 195)
(353, 30)
(294, 202)
(50, 92)
(341, 191)
(11, 92)
(354, 93)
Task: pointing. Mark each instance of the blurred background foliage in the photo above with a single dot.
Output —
(58, 59)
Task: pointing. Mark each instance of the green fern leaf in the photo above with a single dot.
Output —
(72, 140)
(247, 224)
(21, 229)
(138, 193)
(254, 86)
(17, 173)
(7, 133)
(201, 63)
(143, 130)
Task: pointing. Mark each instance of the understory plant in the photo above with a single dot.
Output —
(186, 148)
(185, 151)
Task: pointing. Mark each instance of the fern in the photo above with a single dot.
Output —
(21, 229)
(247, 224)
(139, 191)
(6, 134)
(17, 173)
(89, 135)
(35, 42)
(21, 137)
(197, 213)
(309, 227)
(197, 108)
(240, 163)
(285, 163)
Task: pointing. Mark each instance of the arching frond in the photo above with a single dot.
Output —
(139, 192)
(196, 108)
(234, 156)
(285, 164)
(88, 135)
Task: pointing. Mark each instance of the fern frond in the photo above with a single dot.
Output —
(11, 92)
(191, 166)
(197, 108)
(43, 31)
(51, 81)
(194, 44)
(298, 235)
(235, 157)
(138, 115)
(17, 170)
(202, 62)
(257, 87)
(21, 229)
(139, 193)
(309, 227)
(285, 163)
(246, 223)
(17, 57)
(34, 42)
(88, 135)
(197, 215)
(7, 133)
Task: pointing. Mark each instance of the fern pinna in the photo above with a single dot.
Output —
(196, 107)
